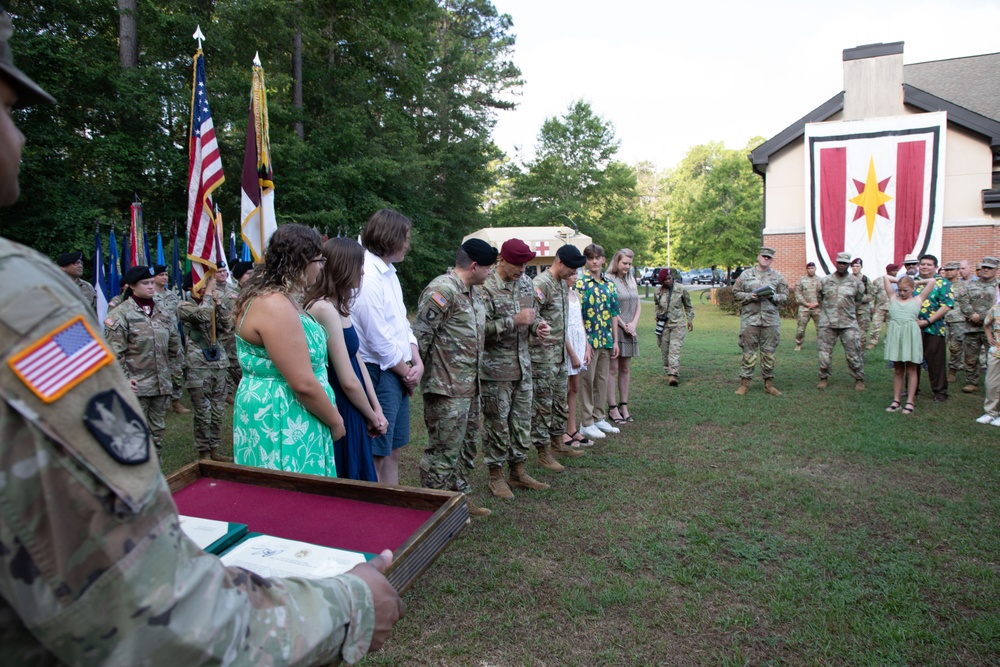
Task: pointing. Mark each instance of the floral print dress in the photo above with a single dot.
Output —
(271, 428)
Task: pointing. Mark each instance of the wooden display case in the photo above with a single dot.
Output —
(417, 524)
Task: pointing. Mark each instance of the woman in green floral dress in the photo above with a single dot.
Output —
(285, 417)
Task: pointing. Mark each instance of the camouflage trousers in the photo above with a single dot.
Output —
(806, 314)
(506, 408)
(452, 431)
(864, 323)
(973, 343)
(671, 342)
(207, 387)
(234, 374)
(177, 376)
(154, 408)
(549, 409)
(851, 340)
(759, 343)
(878, 322)
(956, 346)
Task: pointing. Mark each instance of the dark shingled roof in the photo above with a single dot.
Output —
(972, 82)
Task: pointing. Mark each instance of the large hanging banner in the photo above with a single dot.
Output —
(875, 189)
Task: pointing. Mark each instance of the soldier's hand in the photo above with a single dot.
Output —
(754, 297)
(135, 385)
(525, 316)
(690, 326)
(543, 330)
(389, 608)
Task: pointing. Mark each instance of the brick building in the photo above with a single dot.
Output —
(878, 85)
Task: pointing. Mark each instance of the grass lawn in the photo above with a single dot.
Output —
(807, 529)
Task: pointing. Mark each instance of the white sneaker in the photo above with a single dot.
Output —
(592, 432)
(606, 427)
(996, 422)
(985, 419)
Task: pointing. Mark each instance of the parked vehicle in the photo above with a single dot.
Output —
(651, 276)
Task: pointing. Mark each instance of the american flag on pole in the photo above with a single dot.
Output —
(204, 176)
(61, 360)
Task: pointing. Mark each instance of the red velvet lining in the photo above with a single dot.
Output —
(323, 520)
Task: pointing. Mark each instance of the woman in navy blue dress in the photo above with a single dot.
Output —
(329, 301)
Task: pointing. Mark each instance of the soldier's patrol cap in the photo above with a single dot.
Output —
(951, 266)
(990, 262)
(137, 273)
(516, 251)
(29, 93)
(571, 256)
(911, 259)
(843, 258)
(480, 252)
(159, 268)
(766, 252)
(857, 260)
(808, 264)
(240, 269)
(68, 258)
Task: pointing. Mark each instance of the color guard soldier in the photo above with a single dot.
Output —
(72, 265)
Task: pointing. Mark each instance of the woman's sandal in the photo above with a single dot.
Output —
(571, 442)
(618, 419)
(893, 407)
(580, 439)
(908, 410)
(628, 418)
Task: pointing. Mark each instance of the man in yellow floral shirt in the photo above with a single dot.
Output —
(599, 300)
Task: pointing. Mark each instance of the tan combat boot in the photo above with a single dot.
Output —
(474, 509)
(672, 380)
(970, 388)
(744, 386)
(562, 449)
(520, 479)
(546, 460)
(859, 385)
(498, 483)
(798, 347)
(952, 377)
(215, 455)
(822, 384)
(769, 388)
(179, 408)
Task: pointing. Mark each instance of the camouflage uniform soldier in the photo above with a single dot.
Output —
(506, 371)
(806, 291)
(840, 295)
(72, 265)
(226, 295)
(450, 328)
(881, 307)
(548, 360)
(976, 300)
(955, 321)
(760, 291)
(674, 318)
(864, 313)
(94, 569)
(207, 362)
(167, 300)
(146, 342)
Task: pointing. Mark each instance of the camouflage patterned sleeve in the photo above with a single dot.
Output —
(686, 302)
(741, 292)
(431, 310)
(116, 333)
(800, 293)
(780, 290)
(496, 327)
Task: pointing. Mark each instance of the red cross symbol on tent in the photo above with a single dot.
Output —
(542, 248)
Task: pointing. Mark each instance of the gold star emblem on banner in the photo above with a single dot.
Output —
(871, 198)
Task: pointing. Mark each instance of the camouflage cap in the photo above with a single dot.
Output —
(766, 252)
(843, 257)
(990, 262)
(29, 93)
(951, 266)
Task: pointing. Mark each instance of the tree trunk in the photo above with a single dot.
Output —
(128, 41)
(297, 79)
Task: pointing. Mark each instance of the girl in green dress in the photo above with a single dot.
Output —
(285, 417)
(903, 343)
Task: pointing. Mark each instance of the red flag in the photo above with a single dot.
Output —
(135, 255)
(204, 176)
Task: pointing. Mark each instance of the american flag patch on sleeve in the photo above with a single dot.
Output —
(439, 299)
(61, 360)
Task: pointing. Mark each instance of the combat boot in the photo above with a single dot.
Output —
(798, 347)
(562, 449)
(952, 377)
(859, 385)
(520, 479)
(823, 384)
(970, 388)
(672, 380)
(546, 460)
(744, 386)
(498, 483)
(179, 408)
(474, 509)
(769, 388)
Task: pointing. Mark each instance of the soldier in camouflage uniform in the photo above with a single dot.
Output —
(840, 295)
(881, 307)
(955, 321)
(226, 294)
(147, 343)
(975, 302)
(674, 318)
(806, 291)
(549, 373)
(207, 363)
(864, 314)
(509, 297)
(450, 328)
(167, 300)
(760, 321)
(93, 567)
(72, 265)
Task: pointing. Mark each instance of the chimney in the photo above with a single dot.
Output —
(873, 81)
